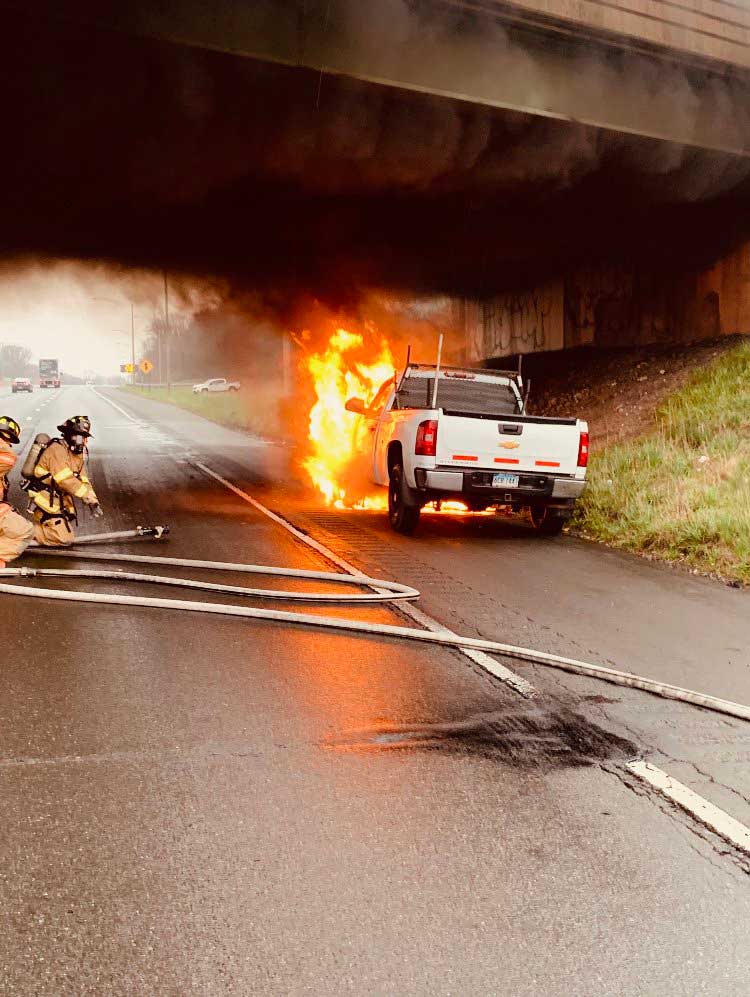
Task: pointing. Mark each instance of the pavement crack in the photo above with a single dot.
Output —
(635, 735)
(706, 775)
(210, 749)
(685, 822)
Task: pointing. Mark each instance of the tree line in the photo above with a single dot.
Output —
(16, 361)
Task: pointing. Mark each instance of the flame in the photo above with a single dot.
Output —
(340, 439)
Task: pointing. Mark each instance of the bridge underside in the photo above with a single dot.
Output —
(290, 179)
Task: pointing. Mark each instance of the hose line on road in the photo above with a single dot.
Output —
(385, 591)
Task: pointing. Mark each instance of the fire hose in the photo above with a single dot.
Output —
(380, 591)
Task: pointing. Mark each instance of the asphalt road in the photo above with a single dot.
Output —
(205, 805)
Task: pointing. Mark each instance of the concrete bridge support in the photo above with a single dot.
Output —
(610, 306)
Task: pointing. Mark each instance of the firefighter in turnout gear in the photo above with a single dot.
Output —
(15, 531)
(59, 478)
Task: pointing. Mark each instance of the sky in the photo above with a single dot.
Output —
(80, 313)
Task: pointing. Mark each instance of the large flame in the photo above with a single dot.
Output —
(340, 439)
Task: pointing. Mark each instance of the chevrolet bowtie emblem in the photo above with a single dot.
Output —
(510, 445)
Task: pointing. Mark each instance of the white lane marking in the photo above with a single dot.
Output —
(711, 816)
(489, 664)
(115, 405)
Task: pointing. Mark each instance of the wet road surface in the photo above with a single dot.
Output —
(205, 805)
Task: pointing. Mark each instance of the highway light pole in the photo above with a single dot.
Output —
(112, 301)
(166, 328)
(132, 343)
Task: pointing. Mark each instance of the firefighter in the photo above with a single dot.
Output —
(15, 531)
(59, 478)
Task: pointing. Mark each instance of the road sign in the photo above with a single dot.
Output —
(126, 368)
(146, 366)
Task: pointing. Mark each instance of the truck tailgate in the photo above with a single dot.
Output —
(523, 443)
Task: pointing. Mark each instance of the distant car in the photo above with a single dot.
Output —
(21, 384)
(216, 384)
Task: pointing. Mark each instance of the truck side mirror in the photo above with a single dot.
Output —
(355, 405)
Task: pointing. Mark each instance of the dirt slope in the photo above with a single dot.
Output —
(616, 391)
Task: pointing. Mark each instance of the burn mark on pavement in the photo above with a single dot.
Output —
(543, 738)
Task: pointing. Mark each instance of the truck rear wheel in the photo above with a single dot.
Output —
(403, 512)
(547, 521)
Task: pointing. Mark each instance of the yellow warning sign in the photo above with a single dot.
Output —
(146, 366)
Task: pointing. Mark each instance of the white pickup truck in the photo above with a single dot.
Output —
(467, 438)
(215, 384)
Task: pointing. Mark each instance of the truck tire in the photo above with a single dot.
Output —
(547, 521)
(403, 512)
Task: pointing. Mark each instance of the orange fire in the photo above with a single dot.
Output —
(340, 439)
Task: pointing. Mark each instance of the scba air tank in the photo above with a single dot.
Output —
(32, 457)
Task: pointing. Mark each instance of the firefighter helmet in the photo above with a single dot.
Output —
(76, 425)
(9, 429)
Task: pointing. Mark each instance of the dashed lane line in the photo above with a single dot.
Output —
(487, 663)
(706, 813)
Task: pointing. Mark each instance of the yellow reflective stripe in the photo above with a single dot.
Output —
(82, 492)
(63, 475)
(46, 506)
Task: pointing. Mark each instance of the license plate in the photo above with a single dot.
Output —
(503, 479)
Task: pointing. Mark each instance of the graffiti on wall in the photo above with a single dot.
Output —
(599, 306)
(518, 322)
(614, 306)
(611, 306)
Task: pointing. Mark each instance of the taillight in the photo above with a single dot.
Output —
(426, 445)
(583, 450)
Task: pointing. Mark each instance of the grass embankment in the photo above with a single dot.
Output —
(255, 410)
(683, 492)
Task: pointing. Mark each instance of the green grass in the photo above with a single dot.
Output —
(682, 493)
(255, 410)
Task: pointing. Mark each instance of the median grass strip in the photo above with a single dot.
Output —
(254, 410)
(683, 492)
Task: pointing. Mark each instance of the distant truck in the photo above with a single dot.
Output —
(461, 434)
(49, 374)
(215, 384)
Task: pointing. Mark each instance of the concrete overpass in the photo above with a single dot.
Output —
(570, 171)
(655, 68)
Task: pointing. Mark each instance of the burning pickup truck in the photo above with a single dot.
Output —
(450, 433)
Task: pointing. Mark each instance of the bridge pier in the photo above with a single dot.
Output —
(610, 306)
